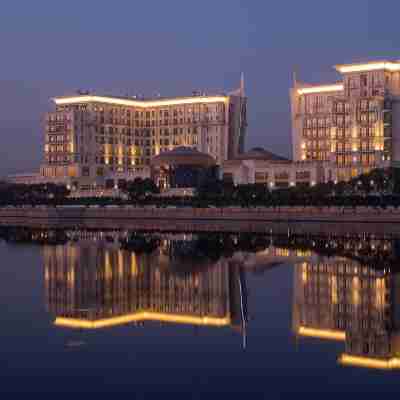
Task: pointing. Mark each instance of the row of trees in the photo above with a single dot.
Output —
(377, 188)
(53, 194)
(11, 193)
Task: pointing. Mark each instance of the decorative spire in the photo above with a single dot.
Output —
(242, 93)
(294, 75)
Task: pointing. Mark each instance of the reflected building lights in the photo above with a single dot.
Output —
(100, 285)
(96, 282)
(343, 300)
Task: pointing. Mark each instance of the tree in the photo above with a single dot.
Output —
(139, 188)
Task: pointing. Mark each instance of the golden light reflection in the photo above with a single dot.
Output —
(356, 291)
(139, 317)
(134, 265)
(304, 273)
(107, 266)
(322, 333)
(367, 362)
(334, 289)
(380, 293)
(120, 264)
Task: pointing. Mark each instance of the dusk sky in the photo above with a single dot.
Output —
(51, 48)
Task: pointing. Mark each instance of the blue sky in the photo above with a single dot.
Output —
(50, 48)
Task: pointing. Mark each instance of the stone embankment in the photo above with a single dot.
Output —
(296, 219)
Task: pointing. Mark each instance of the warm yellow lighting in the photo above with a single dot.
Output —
(141, 316)
(139, 103)
(321, 89)
(380, 292)
(303, 157)
(322, 333)
(134, 265)
(304, 273)
(120, 264)
(71, 278)
(334, 290)
(356, 291)
(374, 66)
(107, 266)
(367, 362)
(303, 145)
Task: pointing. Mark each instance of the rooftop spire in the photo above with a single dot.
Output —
(242, 93)
(294, 75)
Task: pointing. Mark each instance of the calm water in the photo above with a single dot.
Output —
(198, 315)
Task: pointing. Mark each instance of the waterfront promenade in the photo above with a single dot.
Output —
(332, 220)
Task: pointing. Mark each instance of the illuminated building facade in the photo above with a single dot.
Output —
(91, 138)
(344, 301)
(96, 284)
(353, 123)
(261, 166)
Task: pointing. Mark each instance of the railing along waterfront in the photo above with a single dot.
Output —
(259, 219)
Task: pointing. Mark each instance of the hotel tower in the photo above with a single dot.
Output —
(91, 138)
(353, 123)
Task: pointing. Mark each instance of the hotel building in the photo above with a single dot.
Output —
(353, 123)
(90, 138)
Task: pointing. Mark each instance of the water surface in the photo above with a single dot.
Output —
(198, 315)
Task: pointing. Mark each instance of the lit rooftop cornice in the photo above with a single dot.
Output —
(368, 362)
(337, 87)
(84, 99)
(369, 66)
(322, 333)
(141, 317)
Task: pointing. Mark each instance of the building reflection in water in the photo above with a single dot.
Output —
(340, 299)
(344, 290)
(93, 283)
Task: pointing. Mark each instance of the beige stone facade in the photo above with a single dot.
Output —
(353, 123)
(90, 138)
(260, 166)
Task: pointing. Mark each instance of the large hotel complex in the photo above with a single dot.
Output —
(91, 138)
(339, 130)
